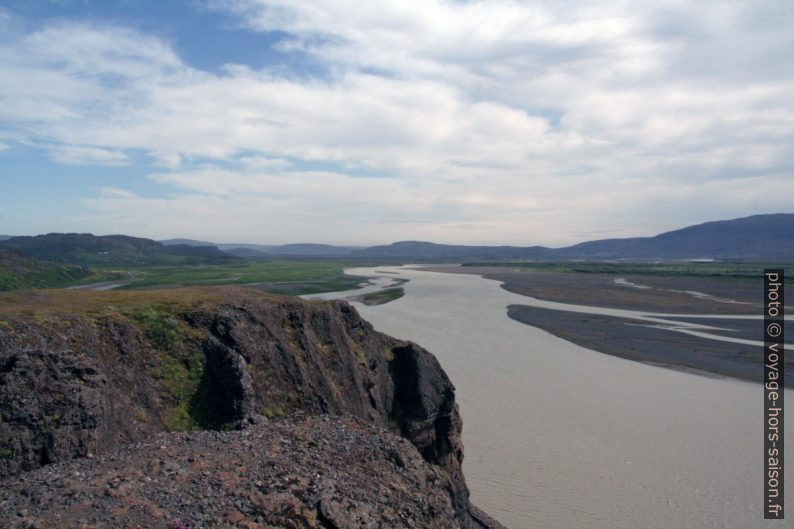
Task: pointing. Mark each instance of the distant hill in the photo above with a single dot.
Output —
(760, 237)
(313, 250)
(428, 251)
(247, 250)
(4, 237)
(186, 242)
(18, 271)
(111, 250)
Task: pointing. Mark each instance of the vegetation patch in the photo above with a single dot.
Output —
(159, 326)
(273, 413)
(382, 296)
(361, 356)
(21, 272)
(181, 370)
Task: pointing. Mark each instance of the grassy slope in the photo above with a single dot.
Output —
(18, 272)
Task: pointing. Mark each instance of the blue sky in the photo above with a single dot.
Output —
(334, 121)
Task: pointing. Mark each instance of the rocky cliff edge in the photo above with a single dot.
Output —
(85, 373)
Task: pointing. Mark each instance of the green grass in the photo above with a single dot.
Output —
(17, 273)
(287, 276)
(159, 326)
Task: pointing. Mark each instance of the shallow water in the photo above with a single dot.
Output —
(558, 436)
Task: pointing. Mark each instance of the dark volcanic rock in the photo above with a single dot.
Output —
(84, 372)
(298, 472)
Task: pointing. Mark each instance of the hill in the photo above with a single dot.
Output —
(760, 237)
(290, 250)
(246, 250)
(429, 251)
(18, 271)
(187, 242)
(111, 250)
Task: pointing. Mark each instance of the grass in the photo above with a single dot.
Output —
(159, 326)
(17, 272)
(100, 303)
(287, 276)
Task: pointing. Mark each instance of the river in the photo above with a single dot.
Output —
(561, 437)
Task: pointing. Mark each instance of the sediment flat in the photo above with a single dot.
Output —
(724, 299)
(654, 293)
(643, 342)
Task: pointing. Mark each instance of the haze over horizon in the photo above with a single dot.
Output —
(482, 122)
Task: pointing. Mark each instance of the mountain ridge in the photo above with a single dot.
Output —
(112, 250)
(758, 237)
(768, 236)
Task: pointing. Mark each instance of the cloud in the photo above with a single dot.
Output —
(116, 193)
(80, 155)
(471, 121)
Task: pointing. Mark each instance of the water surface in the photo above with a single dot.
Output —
(558, 436)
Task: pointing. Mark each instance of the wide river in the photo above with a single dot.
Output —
(558, 436)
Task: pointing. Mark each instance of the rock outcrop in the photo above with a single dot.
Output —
(298, 472)
(82, 373)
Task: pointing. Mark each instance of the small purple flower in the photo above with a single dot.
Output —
(177, 523)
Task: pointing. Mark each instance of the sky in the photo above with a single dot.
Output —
(345, 122)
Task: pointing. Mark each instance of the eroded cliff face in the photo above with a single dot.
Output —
(84, 372)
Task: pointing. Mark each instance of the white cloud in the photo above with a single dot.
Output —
(471, 121)
(116, 193)
(81, 155)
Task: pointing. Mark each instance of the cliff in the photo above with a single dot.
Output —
(85, 373)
